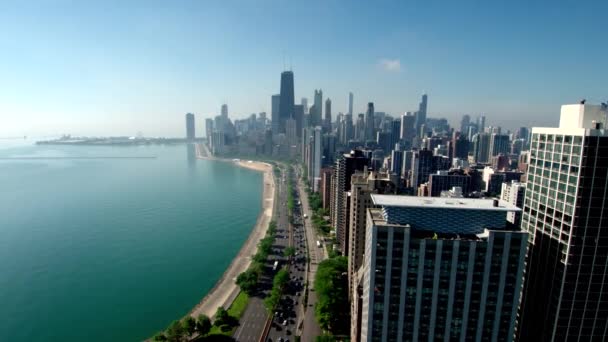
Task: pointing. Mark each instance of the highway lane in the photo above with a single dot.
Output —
(311, 328)
(290, 310)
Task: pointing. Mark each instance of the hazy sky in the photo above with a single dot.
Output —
(119, 67)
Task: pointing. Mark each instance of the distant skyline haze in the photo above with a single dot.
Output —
(118, 68)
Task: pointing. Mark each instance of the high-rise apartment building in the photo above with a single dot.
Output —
(446, 180)
(422, 167)
(441, 269)
(344, 168)
(481, 147)
(513, 193)
(499, 143)
(287, 99)
(298, 115)
(304, 103)
(208, 129)
(291, 131)
(190, 132)
(274, 113)
(363, 184)
(566, 214)
(316, 157)
(408, 129)
(350, 103)
(316, 110)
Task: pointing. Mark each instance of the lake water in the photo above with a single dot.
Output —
(114, 249)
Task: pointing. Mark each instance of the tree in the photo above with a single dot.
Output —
(160, 336)
(203, 324)
(289, 251)
(221, 317)
(188, 325)
(280, 279)
(247, 281)
(175, 331)
(331, 286)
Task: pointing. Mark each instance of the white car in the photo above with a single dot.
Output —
(285, 322)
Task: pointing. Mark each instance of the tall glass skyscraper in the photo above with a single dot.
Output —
(287, 99)
(274, 113)
(190, 132)
(421, 113)
(566, 214)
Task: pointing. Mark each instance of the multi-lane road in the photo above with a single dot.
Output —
(292, 316)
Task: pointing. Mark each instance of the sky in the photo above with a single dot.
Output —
(123, 67)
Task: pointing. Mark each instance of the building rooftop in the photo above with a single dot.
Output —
(442, 202)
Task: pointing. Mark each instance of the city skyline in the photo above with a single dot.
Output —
(154, 65)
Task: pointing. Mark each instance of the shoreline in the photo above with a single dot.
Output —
(225, 289)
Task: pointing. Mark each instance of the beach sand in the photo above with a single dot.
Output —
(225, 290)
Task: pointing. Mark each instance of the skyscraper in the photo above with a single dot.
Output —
(421, 114)
(464, 124)
(344, 169)
(422, 167)
(363, 184)
(225, 112)
(287, 99)
(408, 129)
(298, 115)
(274, 112)
(360, 128)
(566, 214)
(208, 129)
(499, 143)
(481, 147)
(514, 193)
(317, 110)
(439, 269)
(316, 159)
(305, 105)
(395, 133)
(327, 121)
(190, 135)
(369, 122)
(350, 103)
(481, 123)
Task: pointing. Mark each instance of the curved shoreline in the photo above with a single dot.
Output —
(225, 289)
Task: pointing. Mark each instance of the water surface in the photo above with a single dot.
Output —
(114, 249)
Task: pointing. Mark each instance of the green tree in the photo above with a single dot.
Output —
(247, 281)
(289, 251)
(189, 325)
(221, 317)
(203, 324)
(175, 331)
(331, 286)
(160, 336)
(280, 279)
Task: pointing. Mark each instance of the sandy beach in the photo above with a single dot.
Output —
(225, 290)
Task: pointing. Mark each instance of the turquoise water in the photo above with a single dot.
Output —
(114, 249)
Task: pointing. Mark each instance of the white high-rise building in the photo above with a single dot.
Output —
(514, 193)
(441, 269)
(566, 214)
